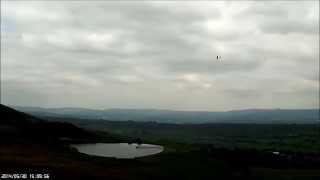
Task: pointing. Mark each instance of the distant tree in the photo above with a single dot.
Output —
(138, 141)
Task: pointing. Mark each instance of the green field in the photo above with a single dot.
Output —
(207, 151)
(302, 138)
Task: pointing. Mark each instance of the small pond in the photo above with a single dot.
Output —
(119, 150)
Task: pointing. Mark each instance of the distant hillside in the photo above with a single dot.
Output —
(297, 116)
(17, 125)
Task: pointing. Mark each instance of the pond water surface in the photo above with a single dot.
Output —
(119, 150)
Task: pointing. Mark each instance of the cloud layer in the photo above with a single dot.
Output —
(160, 54)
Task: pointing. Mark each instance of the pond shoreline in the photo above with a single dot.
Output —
(118, 150)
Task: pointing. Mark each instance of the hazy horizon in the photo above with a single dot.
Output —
(160, 55)
(157, 109)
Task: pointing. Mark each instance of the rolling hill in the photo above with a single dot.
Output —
(256, 116)
(19, 126)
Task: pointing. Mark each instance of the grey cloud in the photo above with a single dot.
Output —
(290, 26)
(283, 17)
(159, 55)
(211, 66)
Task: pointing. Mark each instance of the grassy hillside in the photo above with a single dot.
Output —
(17, 126)
(268, 137)
(35, 146)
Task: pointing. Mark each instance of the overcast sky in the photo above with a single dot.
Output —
(142, 54)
